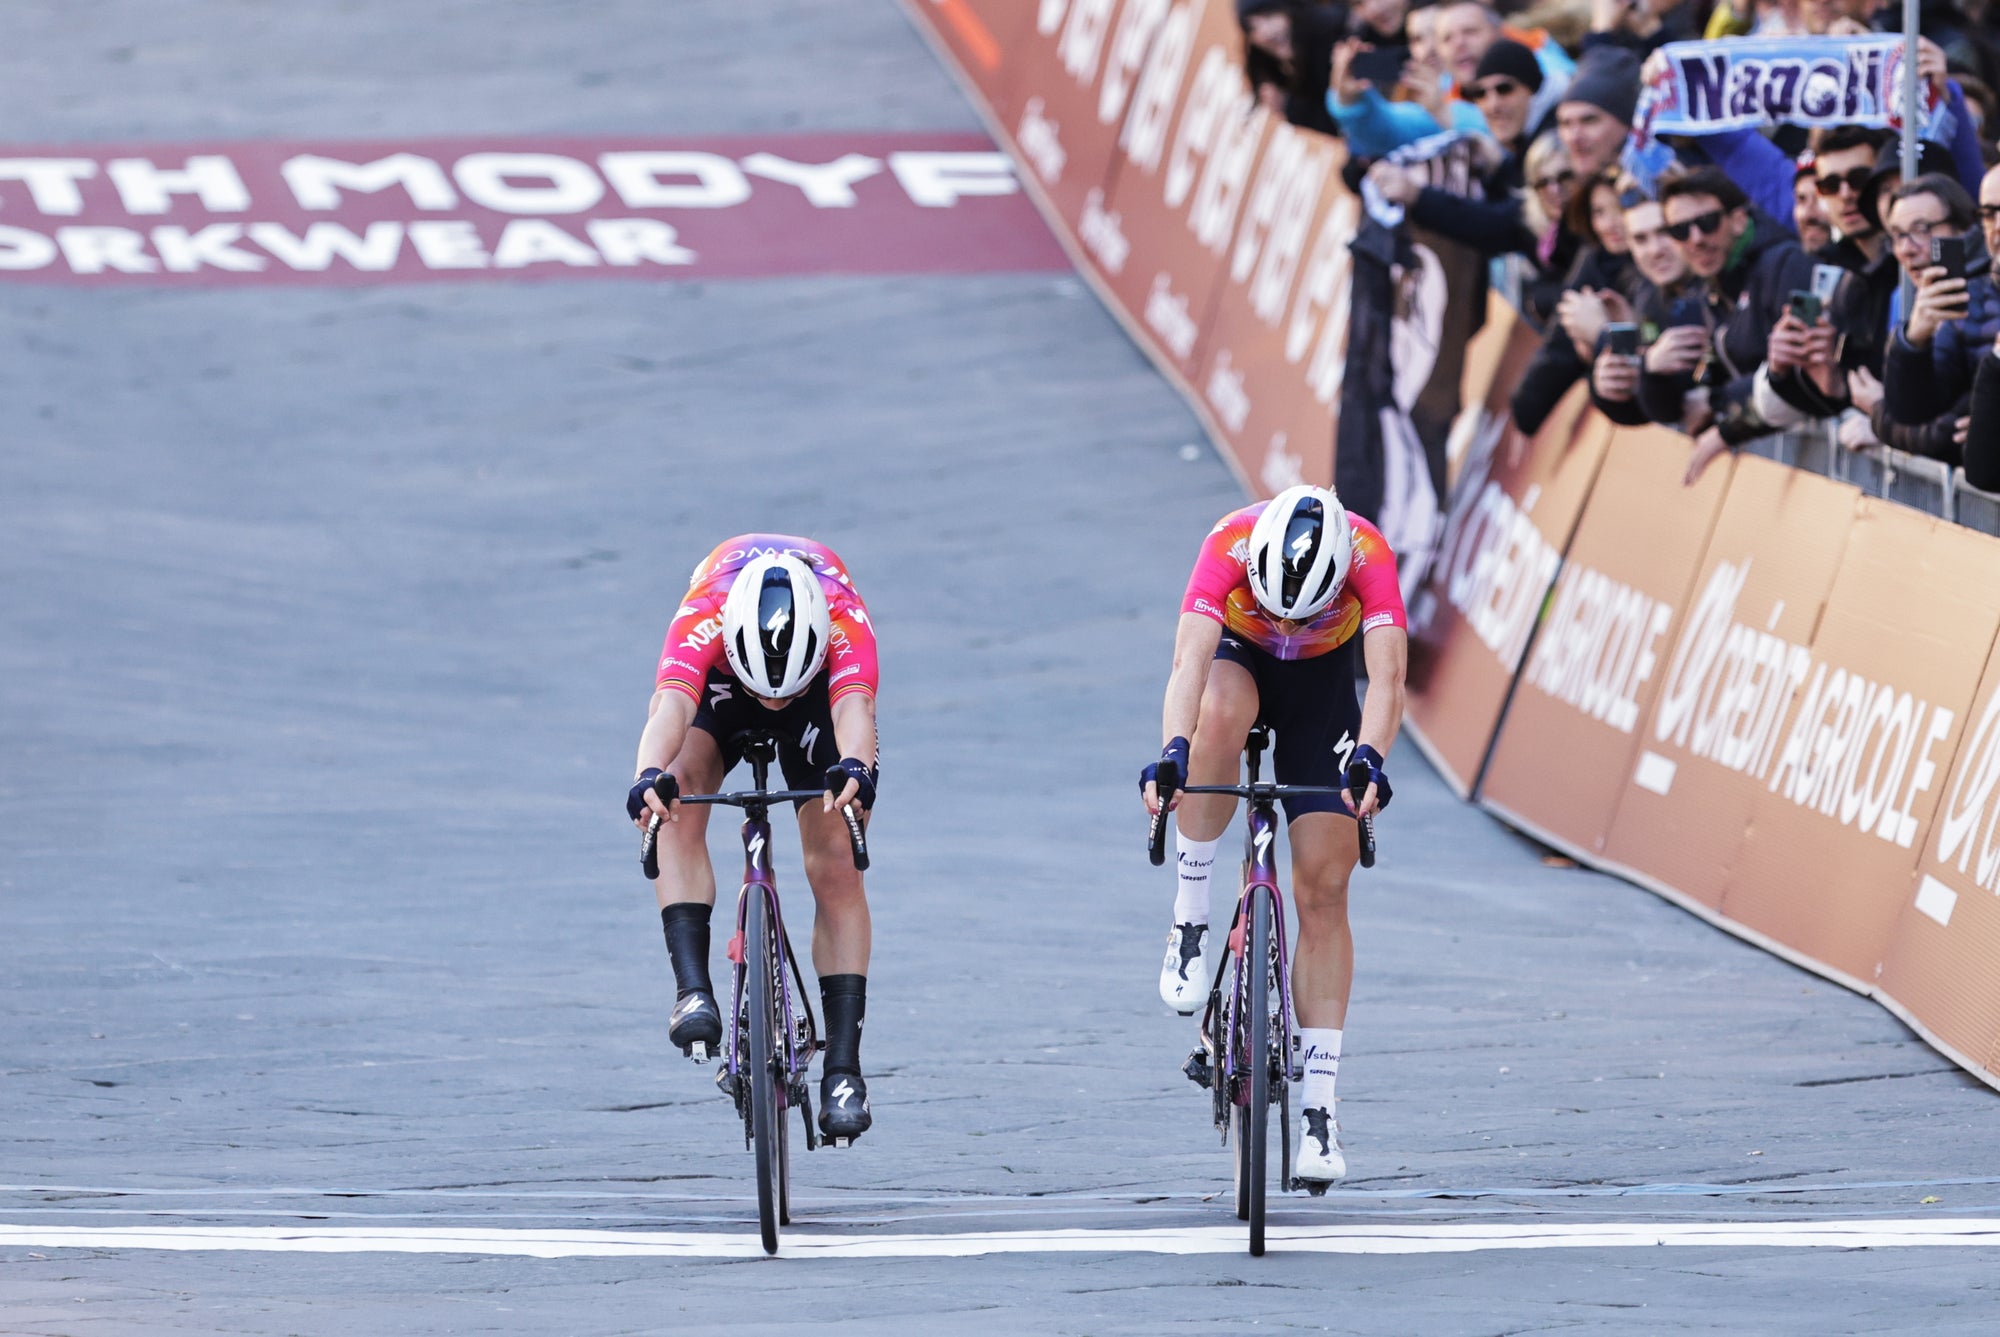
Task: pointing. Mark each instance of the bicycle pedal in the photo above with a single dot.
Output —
(1315, 1187)
(1197, 1069)
(698, 1050)
(837, 1141)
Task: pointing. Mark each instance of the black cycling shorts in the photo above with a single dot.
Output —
(728, 713)
(1310, 704)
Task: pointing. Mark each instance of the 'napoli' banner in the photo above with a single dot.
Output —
(1699, 88)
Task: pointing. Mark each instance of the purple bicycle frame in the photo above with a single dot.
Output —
(758, 879)
(1261, 842)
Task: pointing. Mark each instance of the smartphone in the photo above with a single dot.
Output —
(1382, 67)
(1949, 252)
(1805, 307)
(1826, 283)
(1687, 311)
(1621, 339)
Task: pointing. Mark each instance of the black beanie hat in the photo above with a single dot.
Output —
(1513, 60)
(1608, 79)
(1245, 8)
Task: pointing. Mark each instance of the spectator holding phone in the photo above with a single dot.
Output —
(1935, 354)
(1713, 355)
(1599, 291)
(1664, 279)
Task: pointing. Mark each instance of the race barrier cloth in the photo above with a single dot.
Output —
(1766, 697)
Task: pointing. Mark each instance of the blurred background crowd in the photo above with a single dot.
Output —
(1764, 279)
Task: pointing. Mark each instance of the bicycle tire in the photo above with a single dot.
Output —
(1257, 957)
(1239, 1142)
(762, 1070)
(784, 1169)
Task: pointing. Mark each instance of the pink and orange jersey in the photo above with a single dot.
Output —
(694, 638)
(1220, 589)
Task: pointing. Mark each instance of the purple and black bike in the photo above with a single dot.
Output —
(772, 1044)
(1245, 1058)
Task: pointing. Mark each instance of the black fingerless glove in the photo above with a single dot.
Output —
(852, 768)
(1367, 768)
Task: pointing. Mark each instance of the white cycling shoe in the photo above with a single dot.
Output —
(1186, 973)
(1316, 1158)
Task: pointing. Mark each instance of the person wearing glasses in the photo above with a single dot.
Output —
(1711, 360)
(1934, 355)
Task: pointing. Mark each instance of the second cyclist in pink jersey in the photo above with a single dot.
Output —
(771, 637)
(1282, 596)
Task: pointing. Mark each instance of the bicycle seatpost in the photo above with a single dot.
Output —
(1166, 782)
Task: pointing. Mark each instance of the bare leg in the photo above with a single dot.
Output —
(685, 871)
(841, 927)
(1228, 709)
(1324, 849)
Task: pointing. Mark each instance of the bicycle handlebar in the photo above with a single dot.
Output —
(1166, 782)
(1156, 848)
(667, 788)
(1358, 781)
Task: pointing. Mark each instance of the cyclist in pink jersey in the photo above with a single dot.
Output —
(771, 637)
(1281, 595)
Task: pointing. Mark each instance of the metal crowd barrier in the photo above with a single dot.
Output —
(1923, 484)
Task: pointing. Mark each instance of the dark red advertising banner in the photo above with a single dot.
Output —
(350, 213)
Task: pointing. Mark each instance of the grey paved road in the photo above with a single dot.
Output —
(326, 630)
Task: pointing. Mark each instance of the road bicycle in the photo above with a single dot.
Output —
(1246, 1056)
(776, 1034)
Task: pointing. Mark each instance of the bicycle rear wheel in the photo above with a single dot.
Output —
(766, 1132)
(1257, 1114)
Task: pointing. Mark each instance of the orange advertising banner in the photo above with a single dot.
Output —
(1598, 656)
(1188, 152)
(1742, 651)
(1252, 374)
(1858, 758)
(1511, 517)
(983, 36)
(1940, 969)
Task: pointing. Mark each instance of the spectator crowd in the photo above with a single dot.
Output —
(1766, 278)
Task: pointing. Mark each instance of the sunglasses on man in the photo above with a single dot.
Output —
(1854, 178)
(1707, 224)
(1562, 178)
(1493, 88)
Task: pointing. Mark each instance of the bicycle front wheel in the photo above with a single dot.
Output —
(1257, 998)
(766, 1134)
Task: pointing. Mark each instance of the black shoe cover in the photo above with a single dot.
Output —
(696, 1020)
(843, 1106)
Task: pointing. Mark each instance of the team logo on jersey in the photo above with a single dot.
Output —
(809, 739)
(702, 633)
(718, 692)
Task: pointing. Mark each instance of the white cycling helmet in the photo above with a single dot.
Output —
(1300, 550)
(775, 625)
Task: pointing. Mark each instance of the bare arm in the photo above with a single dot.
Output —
(1387, 651)
(1195, 640)
(668, 715)
(1194, 650)
(854, 730)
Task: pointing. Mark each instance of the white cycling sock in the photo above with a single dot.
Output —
(1195, 858)
(1321, 1048)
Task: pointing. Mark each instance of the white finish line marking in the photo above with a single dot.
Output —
(1197, 1240)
